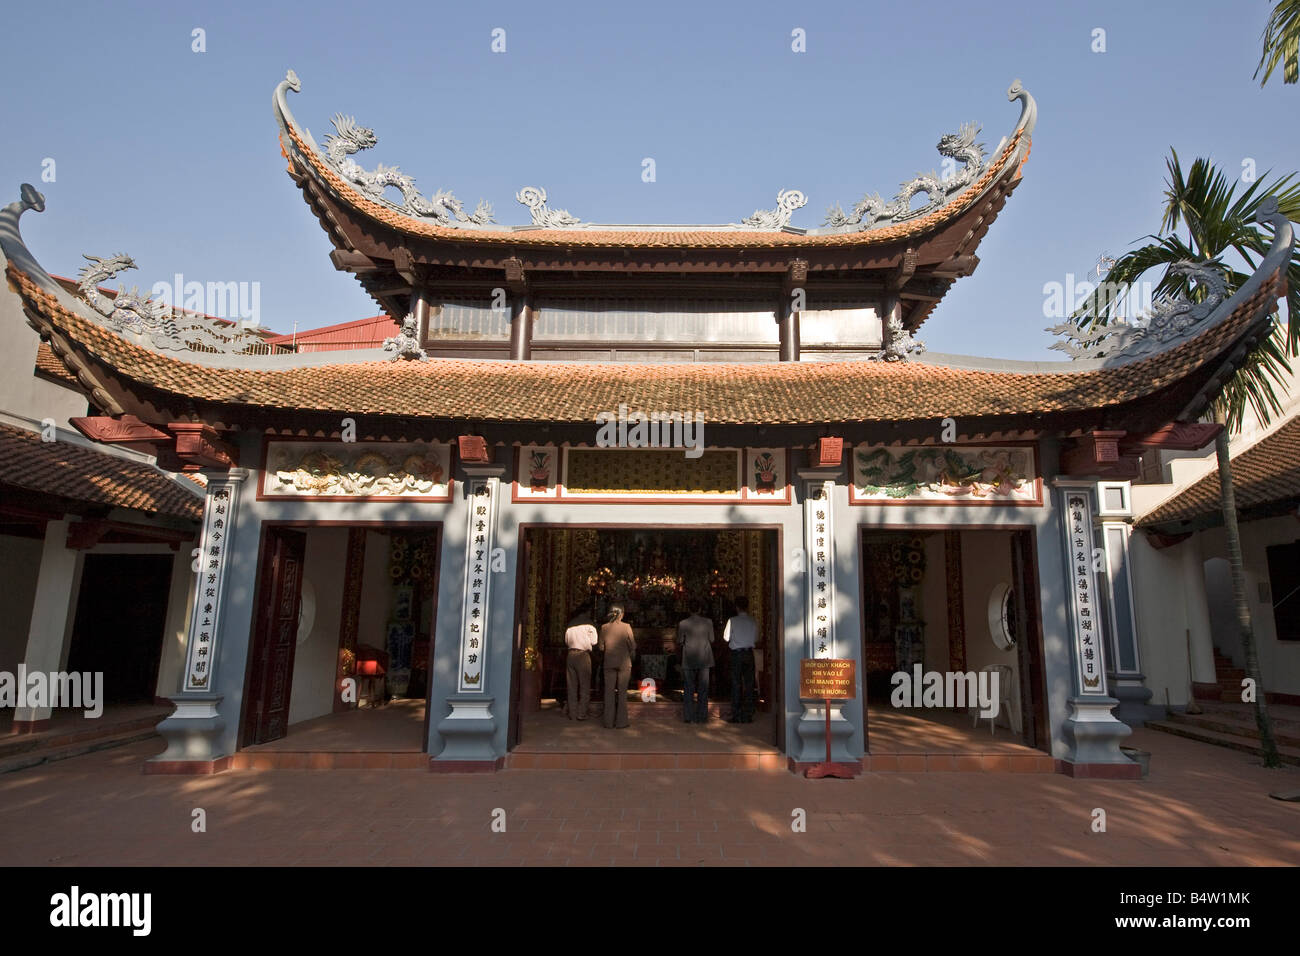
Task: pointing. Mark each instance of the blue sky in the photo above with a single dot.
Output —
(171, 155)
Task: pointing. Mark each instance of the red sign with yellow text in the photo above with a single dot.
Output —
(827, 678)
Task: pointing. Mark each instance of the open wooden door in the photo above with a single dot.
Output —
(270, 659)
(1029, 642)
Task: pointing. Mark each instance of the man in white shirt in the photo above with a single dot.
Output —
(580, 638)
(741, 635)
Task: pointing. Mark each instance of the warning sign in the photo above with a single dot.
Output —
(826, 678)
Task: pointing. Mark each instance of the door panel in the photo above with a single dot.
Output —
(266, 712)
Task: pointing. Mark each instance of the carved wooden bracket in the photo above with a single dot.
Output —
(1161, 541)
(404, 265)
(123, 430)
(1176, 436)
(796, 276)
(473, 449)
(198, 446)
(1097, 454)
(516, 278)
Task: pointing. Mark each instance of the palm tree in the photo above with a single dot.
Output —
(1282, 43)
(1219, 222)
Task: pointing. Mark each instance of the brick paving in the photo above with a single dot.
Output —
(1201, 805)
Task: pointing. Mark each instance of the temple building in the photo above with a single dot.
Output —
(566, 413)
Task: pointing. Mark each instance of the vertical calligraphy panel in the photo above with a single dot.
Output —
(218, 524)
(479, 541)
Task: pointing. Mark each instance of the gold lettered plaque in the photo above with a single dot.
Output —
(827, 678)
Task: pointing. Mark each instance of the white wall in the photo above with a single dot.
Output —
(986, 563)
(1161, 609)
(1279, 661)
(20, 562)
(21, 392)
(315, 662)
(180, 597)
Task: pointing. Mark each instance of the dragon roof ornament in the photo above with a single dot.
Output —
(152, 324)
(874, 212)
(1173, 319)
(350, 138)
(899, 343)
(787, 201)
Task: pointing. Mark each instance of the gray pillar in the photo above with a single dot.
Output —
(47, 637)
(194, 730)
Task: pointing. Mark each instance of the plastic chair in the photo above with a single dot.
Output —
(1006, 702)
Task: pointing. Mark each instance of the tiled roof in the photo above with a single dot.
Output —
(687, 238)
(770, 393)
(70, 470)
(49, 364)
(1266, 472)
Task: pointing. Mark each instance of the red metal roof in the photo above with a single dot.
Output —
(358, 334)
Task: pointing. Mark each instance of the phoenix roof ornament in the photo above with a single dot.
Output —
(534, 197)
(787, 201)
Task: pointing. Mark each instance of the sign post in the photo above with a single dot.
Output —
(827, 679)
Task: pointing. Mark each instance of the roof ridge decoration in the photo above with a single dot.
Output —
(153, 324)
(787, 201)
(350, 138)
(872, 212)
(534, 197)
(1172, 319)
(334, 163)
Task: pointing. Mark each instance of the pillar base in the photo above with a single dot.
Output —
(811, 734)
(467, 734)
(1093, 734)
(1134, 699)
(193, 734)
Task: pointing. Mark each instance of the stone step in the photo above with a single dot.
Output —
(17, 744)
(1222, 723)
(1289, 755)
(48, 754)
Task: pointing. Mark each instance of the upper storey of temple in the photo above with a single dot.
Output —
(137, 358)
(756, 289)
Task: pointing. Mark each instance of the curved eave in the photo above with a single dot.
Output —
(1173, 384)
(306, 164)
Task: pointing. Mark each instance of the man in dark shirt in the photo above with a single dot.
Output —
(695, 634)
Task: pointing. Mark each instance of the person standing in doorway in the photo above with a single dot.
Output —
(695, 635)
(618, 645)
(741, 634)
(580, 638)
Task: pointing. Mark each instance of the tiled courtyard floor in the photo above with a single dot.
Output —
(1201, 806)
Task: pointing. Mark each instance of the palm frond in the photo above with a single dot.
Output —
(1282, 43)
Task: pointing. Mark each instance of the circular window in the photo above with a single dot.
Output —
(306, 610)
(1002, 616)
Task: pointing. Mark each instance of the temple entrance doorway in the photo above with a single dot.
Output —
(944, 612)
(654, 573)
(341, 603)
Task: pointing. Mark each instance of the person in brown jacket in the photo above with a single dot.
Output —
(619, 647)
